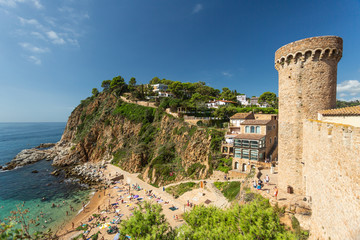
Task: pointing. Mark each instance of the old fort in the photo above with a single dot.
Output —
(319, 146)
(316, 146)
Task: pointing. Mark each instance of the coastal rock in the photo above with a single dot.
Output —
(89, 173)
(45, 145)
(29, 156)
(56, 172)
(35, 171)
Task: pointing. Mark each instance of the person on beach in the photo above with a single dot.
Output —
(73, 225)
(267, 179)
(276, 192)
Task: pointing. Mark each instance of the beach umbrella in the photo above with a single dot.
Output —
(117, 236)
(136, 196)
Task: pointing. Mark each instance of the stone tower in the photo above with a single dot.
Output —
(307, 84)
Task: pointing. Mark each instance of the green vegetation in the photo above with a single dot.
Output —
(301, 234)
(147, 223)
(217, 137)
(255, 220)
(229, 189)
(224, 165)
(341, 104)
(269, 98)
(225, 112)
(194, 169)
(135, 113)
(181, 188)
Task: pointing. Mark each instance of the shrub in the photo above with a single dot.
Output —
(194, 168)
(229, 189)
(181, 188)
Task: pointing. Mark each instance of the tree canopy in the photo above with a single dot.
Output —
(269, 98)
(147, 223)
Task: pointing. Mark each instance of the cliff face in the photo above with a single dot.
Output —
(139, 139)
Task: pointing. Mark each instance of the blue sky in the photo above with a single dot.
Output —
(52, 53)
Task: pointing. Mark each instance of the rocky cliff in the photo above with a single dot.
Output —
(139, 139)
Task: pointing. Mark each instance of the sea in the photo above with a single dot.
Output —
(46, 198)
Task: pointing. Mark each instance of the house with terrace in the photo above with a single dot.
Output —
(253, 143)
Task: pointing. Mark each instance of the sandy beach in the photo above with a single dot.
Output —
(119, 201)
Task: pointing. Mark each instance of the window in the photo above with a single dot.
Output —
(252, 129)
(254, 144)
(245, 143)
(275, 140)
(269, 128)
(245, 154)
(274, 127)
(238, 142)
(247, 129)
(257, 129)
(270, 140)
(254, 154)
(225, 149)
(238, 152)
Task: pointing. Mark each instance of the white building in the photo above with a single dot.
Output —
(219, 103)
(242, 100)
(159, 87)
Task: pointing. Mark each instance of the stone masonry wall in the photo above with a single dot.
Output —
(307, 84)
(331, 172)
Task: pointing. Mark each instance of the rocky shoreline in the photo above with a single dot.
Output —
(88, 173)
(30, 156)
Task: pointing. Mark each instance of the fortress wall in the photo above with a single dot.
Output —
(307, 84)
(331, 157)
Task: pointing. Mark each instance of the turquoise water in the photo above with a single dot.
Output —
(38, 192)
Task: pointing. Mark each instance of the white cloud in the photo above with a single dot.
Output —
(33, 48)
(32, 22)
(227, 74)
(349, 88)
(73, 41)
(34, 60)
(66, 9)
(37, 4)
(14, 3)
(38, 35)
(197, 8)
(10, 3)
(54, 37)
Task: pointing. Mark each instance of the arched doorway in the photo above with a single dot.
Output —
(244, 167)
(236, 165)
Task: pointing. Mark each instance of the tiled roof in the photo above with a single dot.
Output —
(249, 115)
(256, 122)
(250, 136)
(346, 111)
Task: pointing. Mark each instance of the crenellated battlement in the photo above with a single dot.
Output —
(307, 84)
(314, 49)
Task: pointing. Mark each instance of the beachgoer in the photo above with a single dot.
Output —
(276, 192)
(267, 179)
(254, 184)
(73, 225)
